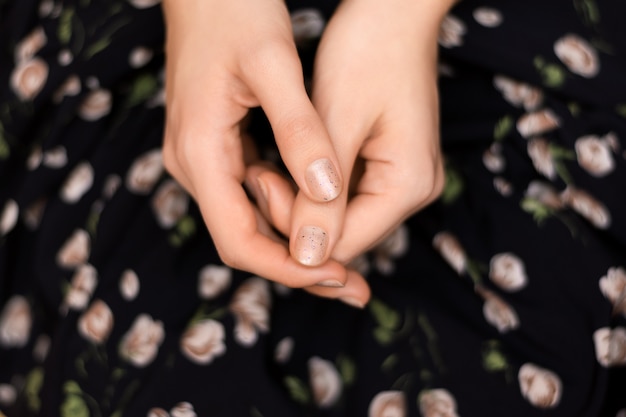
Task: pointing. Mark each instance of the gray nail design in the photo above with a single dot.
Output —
(310, 245)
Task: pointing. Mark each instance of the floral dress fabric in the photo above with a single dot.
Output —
(506, 297)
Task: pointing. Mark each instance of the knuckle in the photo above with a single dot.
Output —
(179, 149)
(267, 57)
(229, 257)
(423, 188)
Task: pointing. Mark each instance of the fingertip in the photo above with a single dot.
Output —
(352, 302)
(355, 292)
(310, 245)
(274, 195)
(315, 229)
(360, 291)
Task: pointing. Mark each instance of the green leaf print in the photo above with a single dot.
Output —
(79, 364)
(388, 321)
(72, 387)
(559, 152)
(74, 406)
(64, 31)
(553, 75)
(117, 374)
(562, 172)
(588, 10)
(175, 241)
(574, 108)
(432, 345)
(99, 46)
(127, 396)
(384, 315)
(493, 359)
(92, 220)
(347, 369)
(389, 363)
(185, 228)
(143, 87)
(503, 127)
(33, 384)
(5, 151)
(207, 312)
(538, 210)
(383, 335)
(297, 389)
(105, 38)
(426, 375)
(453, 187)
(473, 270)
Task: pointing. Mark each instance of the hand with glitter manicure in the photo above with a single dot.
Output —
(375, 89)
(223, 58)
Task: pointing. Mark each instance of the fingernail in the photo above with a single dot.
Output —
(323, 180)
(330, 283)
(310, 245)
(262, 188)
(351, 301)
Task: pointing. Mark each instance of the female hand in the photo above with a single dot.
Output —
(375, 89)
(224, 57)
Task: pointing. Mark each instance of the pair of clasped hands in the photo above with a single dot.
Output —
(373, 99)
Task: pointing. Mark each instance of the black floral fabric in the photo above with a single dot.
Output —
(506, 297)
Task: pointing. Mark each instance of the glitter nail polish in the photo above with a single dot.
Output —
(323, 180)
(310, 245)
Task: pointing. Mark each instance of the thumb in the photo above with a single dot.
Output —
(304, 144)
(306, 150)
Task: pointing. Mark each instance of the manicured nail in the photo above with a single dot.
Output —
(351, 301)
(310, 245)
(330, 283)
(323, 180)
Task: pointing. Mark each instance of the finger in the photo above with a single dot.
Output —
(176, 171)
(275, 78)
(273, 193)
(276, 199)
(306, 150)
(384, 209)
(232, 222)
(355, 293)
(264, 227)
(235, 231)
